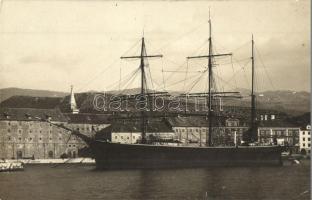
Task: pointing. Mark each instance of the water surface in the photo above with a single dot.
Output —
(76, 182)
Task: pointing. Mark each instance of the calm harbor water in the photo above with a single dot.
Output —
(76, 182)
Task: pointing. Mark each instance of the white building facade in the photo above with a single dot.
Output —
(305, 140)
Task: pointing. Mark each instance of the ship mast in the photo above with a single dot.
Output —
(253, 102)
(210, 56)
(210, 113)
(142, 56)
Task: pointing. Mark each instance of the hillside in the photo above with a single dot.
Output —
(6, 93)
(290, 102)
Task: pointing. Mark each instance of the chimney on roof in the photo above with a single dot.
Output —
(73, 105)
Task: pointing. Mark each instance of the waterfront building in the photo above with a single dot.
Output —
(22, 135)
(87, 123)
(305, 140)
(280, 133)
(129, 132)
(194, 130)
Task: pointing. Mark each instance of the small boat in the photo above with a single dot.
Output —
(11, 166)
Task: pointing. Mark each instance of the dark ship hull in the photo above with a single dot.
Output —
(132, 156)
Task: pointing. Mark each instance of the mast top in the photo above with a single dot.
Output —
(209, 13)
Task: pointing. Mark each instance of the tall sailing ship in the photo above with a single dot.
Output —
(110, 155)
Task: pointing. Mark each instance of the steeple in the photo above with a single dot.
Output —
(73, 105)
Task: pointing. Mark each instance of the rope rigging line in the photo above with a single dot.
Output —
(130, 81)
(224, 81)
(104, 70)
(241, 68)
(215, 82)
(162, 72)
(180, 81)
(119, 75)
(129, 77)
(170, 75)
(150, 75)
(97, 75)
(132, 47)
(130, 74)
(236, 61)
(187, 66)
(180, 66)
(196, 81)
(234, 50)
(233, 71)
(265, 69)
(181, 36)
(159, 86)
(246, 79)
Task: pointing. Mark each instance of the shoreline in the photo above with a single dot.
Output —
(52, 161)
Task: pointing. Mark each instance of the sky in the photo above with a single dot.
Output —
(51, 45)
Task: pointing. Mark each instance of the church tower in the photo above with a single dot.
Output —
(73, 105)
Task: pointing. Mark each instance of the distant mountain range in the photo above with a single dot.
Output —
(291, 102)
(6, 93)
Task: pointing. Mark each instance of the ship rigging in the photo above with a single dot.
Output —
(148, 155)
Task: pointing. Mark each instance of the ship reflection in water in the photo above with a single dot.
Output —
(83, 182)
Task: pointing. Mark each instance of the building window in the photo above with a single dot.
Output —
(133, 137)
(69, 145)
(309, 139)
(303, 133)
(309, 145)
(303, 139)
(20, 139)
(74, 145)
(9, 138)
(9, 130)
(127, 138)
(30, 139)
(30, 131)
(50, 138)
(303, 145)
(116, 137)
(121, 137)
(60, 138)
